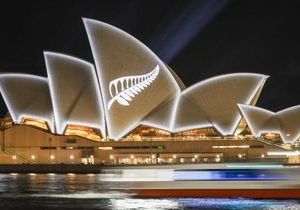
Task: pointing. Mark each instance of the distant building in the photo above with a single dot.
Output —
(133, 109)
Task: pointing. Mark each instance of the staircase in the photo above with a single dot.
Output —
(19, 157)
(270, 143)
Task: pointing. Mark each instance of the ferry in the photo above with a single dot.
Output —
(264, 181)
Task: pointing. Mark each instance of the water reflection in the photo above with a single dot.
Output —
(73, 191)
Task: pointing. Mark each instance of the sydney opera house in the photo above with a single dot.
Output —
(131, 108)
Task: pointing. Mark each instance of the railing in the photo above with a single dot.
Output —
(271, 143)
(196, 138)
(24, 158)
(18, 156)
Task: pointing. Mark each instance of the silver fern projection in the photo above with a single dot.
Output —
(130, 87)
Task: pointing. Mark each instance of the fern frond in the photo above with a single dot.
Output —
(124, 89)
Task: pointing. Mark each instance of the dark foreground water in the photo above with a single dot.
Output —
(70, 191)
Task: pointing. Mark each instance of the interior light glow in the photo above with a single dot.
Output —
(245, 166)
(288, 153)
(105, 148)
(231, 147)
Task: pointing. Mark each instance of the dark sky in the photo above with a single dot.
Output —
(198, 39)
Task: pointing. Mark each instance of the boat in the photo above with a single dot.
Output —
(235, 180)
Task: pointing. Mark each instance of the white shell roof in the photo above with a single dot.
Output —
(209, 103)
(285, 122)
(74, 92)
(133, 80)
(27, 96)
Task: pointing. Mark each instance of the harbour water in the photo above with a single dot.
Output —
(86, 191)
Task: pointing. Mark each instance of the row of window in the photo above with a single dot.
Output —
(67, 148)
(105, 148)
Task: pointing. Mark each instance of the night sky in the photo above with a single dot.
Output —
(197, 39)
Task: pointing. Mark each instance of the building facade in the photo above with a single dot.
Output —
(131, 108)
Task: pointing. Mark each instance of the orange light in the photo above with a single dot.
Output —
(105, 148)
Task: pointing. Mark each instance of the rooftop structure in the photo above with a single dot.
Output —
(285, 122)
(130, 90)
